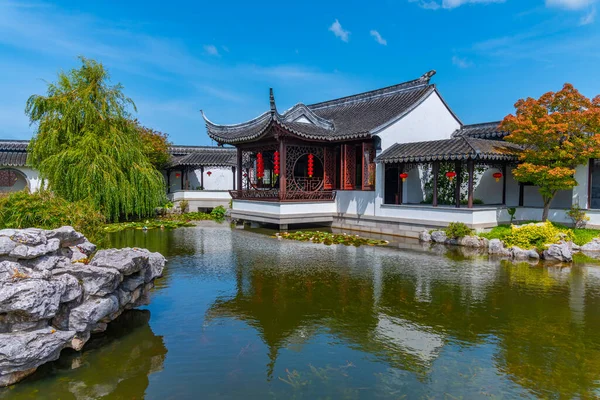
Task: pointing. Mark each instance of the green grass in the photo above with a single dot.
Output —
(580, 258)
(581, 235)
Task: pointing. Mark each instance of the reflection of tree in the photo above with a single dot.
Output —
(115, 365)
(534, 318)
(280, 304)
(543, 346)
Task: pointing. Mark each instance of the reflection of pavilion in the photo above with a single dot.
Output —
(535, 322)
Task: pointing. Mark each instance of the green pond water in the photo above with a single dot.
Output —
(241, 315)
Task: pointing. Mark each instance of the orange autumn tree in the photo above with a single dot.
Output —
(558, 132)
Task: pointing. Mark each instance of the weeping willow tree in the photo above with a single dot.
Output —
(86, 147)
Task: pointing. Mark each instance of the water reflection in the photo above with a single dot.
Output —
(247, 316)
(115, 364)
(411, 309)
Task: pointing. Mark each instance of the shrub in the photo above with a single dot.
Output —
(218, 213)
(536, 235)
(511, 211)
(45, 210)
(578, 216)
(183, 206)
(457, 230)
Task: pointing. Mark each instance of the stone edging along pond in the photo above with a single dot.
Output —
(56, 290)
(556, 252)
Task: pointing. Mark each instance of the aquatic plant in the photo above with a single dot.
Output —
(330, 238)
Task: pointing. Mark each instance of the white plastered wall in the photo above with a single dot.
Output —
(31, 175)
(430, 120)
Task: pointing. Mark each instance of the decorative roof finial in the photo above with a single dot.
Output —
(427, 75)
(272, 101)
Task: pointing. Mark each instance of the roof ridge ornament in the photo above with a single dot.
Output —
(428, 75)
(272, 102)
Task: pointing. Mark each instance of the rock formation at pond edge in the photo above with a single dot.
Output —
(53, 296)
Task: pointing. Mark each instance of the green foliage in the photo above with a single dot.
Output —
(511, 211)
(536, 235)
(218, 213)
(498, 232)
(47, 211)
(331, 238)
(447, 187)
(87, 148)
(457, 230)
(184, 206)
(578, 216)
(155, 145)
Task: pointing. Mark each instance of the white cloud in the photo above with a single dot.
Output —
(589, 18)
(570, 4)
(211, 49)
(449, 4)
(338, 31)
(461, 62)
(378, 37)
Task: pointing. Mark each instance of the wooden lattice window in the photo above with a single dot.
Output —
(368, 166)
(330, 175)
(8, 178)
(349, 167)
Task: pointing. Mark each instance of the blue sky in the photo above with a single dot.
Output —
(175, 58)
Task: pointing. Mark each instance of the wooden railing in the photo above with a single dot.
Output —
(275, 195)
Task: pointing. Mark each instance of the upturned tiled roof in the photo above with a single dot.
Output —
(208, 157)
(13, 153)
(346, 118)
(488, 130)
(461, 148)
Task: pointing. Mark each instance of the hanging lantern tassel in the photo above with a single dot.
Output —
(260, 166)
(208, 173)
(450, 175)
(497, 176)
(311, 164)
(276, 163)
(403, 175)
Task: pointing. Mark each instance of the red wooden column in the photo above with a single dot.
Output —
(282, 170)
(471, 168)
(239, 169)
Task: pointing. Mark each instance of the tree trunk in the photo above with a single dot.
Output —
(546, 211)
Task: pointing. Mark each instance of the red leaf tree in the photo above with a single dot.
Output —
(558, 132)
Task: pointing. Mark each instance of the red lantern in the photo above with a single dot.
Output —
(403, 175)
(260, 166)
(276, 163)
(311, 164)
(177, 175)
(497, 176)
(450, 175)
(208, 173)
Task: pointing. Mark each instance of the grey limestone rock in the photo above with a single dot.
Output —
(425, 236)
(82, 317)
(495, 246)
(558, 252)
(48, 302)
(438, 236)
(594, 245)
(6, 245)
(97, 281)
(471, 241)
(23, 352)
